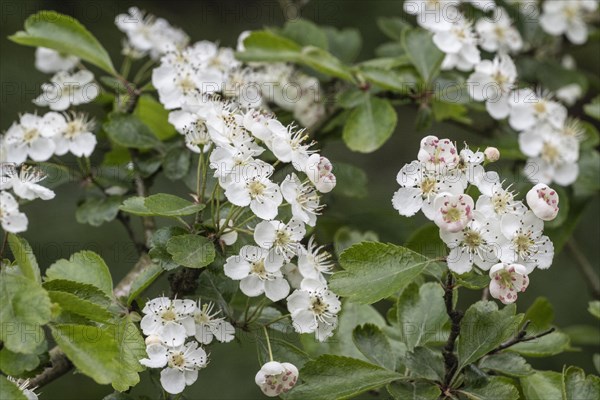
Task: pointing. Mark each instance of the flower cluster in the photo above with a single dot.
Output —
(167, 324)
(495, 232)
(567, 17)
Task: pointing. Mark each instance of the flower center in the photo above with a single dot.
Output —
(499, 32)
(550, 153)
(523, 243)
(258, 269)
(500, 202)
(73, 129)
(177, 360)
(256, 188)
(428, 186)
(472, 239)
(169, 315)
(30, 135)
(453, 215)
(187, 85)
(318, 306)
(540, 107)
(282, 238)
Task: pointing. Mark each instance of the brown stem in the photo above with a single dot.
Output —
(450, 360)
(521, 337)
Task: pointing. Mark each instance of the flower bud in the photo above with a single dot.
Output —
(275, 378)
(492, 154)
(153, 339)
(543, 201)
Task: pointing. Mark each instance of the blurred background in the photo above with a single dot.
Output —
(54, 233)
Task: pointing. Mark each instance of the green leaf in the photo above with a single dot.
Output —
(9, 390)
(135, 205)
(370, 125)
(496, 388)
(507, 363)
(401, 80)
(345, 377)
(131, 349)
(24, 257)
(393, 27)
(305, 33)
(483, 328)
(592, 109)
(128, 130)
(343, 43)
(24, 308)
(15, 364)
(176, 163)
(473, 280)
(64, 34)
(425, 363)
(93, 350)
(322, 61)
(426, 241)
(591, 137)
(421, 313)
(386, 268)
(374, 345)
(542, 385)
(148, 275)
(588, 181)
(594, 308)
(155, 117)
(423, 53)
(351, 181)
(85, 267)
(540, 314)
(167, 205)
(577, 386)
(158, 246)
(84, 291)
(413, 391)
(73, 304)
(443, 110)
(268, 46)
(98, 210)
(549, 345)
(191, 251)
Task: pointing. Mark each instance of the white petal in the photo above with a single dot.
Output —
(252, 286)
(277, 289)
(172, 380)
(407, 201)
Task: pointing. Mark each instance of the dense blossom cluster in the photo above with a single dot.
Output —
(495, 232)
(546, 135)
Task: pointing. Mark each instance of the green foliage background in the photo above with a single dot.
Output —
(54, 233)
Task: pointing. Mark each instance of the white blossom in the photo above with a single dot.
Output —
(229, 236)
(453, 212)
(318, 169)
(303, 198)
(25, 182)
(171, 320)
(75, 135)
(282, 240)
(528, 109)
(66, 89)
(209, 325)
(433, 14)
(460, 45)
(275, 378)
(543, 201)
(259, 271)
(181, 364)
(11, 219)
(493, 82)
(498, 34)
(50, 61)
(438, 155)
(314, 262)
(567, 17)
(314, 308)
(32, 137)
(507, 280)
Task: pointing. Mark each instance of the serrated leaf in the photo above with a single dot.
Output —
(423, 53)
(421, 313)
(168, 205)
(369, 125)
(64, 34)
(9, 390)
(158, 246)
(345, 237)
(425, 363)
(268, 46)
(131, 348)
(145, 278)
(191, 251)
(496, 388)
(15, 364)
(507, 363)
(483, 328)
(24, 257)
(96, 211)
(135, 205)
(85, 267)
(84, 291)
(155, 117)
(542, 385)
(374, 345)
(413, 391)
(386, 268)
(577, 386)
(128, 130)
(345, 377)
(73, 304)
(24, 308)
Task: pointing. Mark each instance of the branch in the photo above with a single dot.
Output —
(59, 362)
(586, 268)
(521, 337)
(450, 360)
